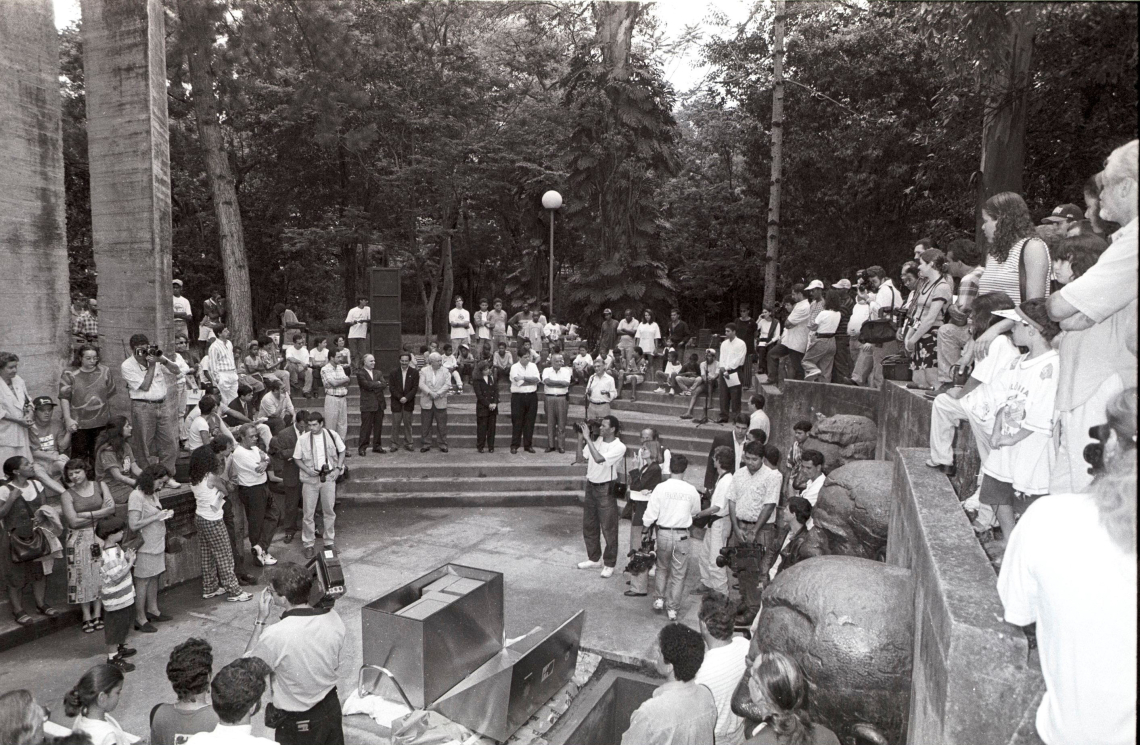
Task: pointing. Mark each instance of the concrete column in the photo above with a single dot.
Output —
(34, 305)
(124, 64)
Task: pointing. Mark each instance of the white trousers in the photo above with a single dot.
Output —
(945, 415)
(1070, 472)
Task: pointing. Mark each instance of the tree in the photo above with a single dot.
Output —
(777, 159)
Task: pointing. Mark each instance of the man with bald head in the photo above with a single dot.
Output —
(556, 386)
(435, 382)
(372, 387)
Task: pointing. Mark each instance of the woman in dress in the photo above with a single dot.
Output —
(91, 702)
(115, 464)
(146, 517)
(934, 295)
(15, 410)
(20, 497)
(84, 503)
(648, 334)
(85, 392)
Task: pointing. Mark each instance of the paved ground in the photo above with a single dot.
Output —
(535, 548)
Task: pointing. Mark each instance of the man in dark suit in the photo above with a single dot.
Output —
(403, 384)
(486, 406)
(733, 440)
(281, 447)
(372, 388)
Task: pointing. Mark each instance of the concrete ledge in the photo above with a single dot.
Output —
(972, 678)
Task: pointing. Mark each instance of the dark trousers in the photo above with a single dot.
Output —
(843, 366)
(485, 429)
(83, 442)
(600, 519)
(291, 508)
(524, 410)
(262, 514)
(746, 368)
(427, 417)
(371, 424)
(762, 360)
(750, 589)
(320, 725)
(401, 428)
(730, 397)
(236, 527)
(778, 353)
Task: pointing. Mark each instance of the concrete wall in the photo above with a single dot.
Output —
(124, 64)
(973, 681)
(34, 306)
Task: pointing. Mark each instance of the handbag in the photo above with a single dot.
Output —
(620, 489)
(22, 550)
(879, 330)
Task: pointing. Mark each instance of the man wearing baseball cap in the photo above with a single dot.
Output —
(183, 316)
(50, 438)
(1064, 216)
(607, 335)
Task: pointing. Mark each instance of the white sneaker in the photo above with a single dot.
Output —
(216, 593)
(172, 484)
(659, 604)
(241, 597)
(607, 572)
(672, 393)
(660, 390)
(587, 564)
(267, 559)
(671, 615)
(653, 571)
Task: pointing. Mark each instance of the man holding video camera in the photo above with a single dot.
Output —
(319, 456)
(156, 431)
(604, 451)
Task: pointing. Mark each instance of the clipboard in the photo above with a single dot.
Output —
(732, 380)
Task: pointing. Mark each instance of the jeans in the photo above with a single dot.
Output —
(156, 434)
(402, 428)
(843, 365)
(951, 341)
(672, 566)
(336, 415)
(524, 410)
(262, 514)
(600, 518)
(427, 417)
(556, 408)
(485, 429)
(358, 347)
(325, 493)
(730, 400)
(371, 422)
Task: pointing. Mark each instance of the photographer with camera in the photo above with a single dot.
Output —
(752, 509)
(155, 428)
(304, 650)
(600, 512)
(320, 457)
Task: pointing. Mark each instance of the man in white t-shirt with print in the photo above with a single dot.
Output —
(358, 320)
(183, 316)
(460, 322)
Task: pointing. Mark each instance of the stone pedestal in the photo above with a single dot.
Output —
(34, 305)
(124, 64)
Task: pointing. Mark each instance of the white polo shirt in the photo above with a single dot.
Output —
(518, 371)
(562, 375)
(304, 650)
(245, 462)
(612, 454)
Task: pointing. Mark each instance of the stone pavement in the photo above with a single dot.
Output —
(383, 547)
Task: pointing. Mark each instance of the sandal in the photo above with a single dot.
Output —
(48, 611)
(98, 623)
(88, 627)
(23, 619)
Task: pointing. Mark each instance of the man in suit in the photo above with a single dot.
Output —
(735, 440)
(403, 384)
(281, 447)
(371, 405)
(486, 406)
(435, 384)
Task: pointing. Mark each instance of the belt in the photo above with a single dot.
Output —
(661, 528)
(558, 395)
(747, 522)
(336, 395)
(598, 403)
(825, 336)
(147, 401)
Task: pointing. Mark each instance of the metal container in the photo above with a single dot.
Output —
(504, 693)
(431, 644)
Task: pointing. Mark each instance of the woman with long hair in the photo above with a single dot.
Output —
(714, 578)
(23, 721)
(91, 702)
(85, 392)
(84, 504)
(779, 689)
(115, 463)
(1083, 600)
(648, 334)
(21, 494)
(146, 516)
(933, 296)
(214, 548)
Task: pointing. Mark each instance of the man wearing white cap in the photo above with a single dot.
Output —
(843, 364)
(183, 316)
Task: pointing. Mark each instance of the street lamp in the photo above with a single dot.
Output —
(551, 200)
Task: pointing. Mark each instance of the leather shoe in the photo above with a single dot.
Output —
(378, 451)
(549, 450)
(409, 448)
(514, 451)
(146, 628)
(443, 448)
(424, 449)
(632, 594)
(490, 450)
(246, 580)
(362, 450)
(480, 449)
(529, 450)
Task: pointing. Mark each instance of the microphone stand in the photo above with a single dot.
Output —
(708, 394)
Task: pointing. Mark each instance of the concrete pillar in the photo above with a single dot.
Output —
(124, 65)
(34, 304)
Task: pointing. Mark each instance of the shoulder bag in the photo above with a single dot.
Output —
(879, 330)
(22, 550)
(619, 489)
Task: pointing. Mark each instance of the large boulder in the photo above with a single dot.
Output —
(854, 508)
(845, 429)
(850, 623)
(832, 453)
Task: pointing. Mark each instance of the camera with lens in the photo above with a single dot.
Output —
(595, 428)
(151, 350)
(745, 557)
(325, 471)
(1094, 451)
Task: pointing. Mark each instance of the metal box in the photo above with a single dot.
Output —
(432, 647)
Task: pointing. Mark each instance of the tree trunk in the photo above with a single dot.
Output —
(615, 21)
(447, 282)
(1007, 107)
(772, 258)
(200, 39)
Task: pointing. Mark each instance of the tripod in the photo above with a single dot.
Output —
(708, 394)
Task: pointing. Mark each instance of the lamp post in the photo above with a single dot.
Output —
(551, 201)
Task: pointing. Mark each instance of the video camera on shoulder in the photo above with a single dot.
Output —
(328, 578)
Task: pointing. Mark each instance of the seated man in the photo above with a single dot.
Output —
(633, 372)
(502, 361)
(688, 376)
(665, 377)
(680, 711)
(235, 693)
(50, 438)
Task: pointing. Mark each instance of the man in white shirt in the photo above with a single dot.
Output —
(723, 666)
(248, 465)
(320, 457)
(600, 511)
(223, 367)
(435, 384)
(732, 354)
(794, 341)
(483, 323)
(768, 331)
(524, 402)
(886, 301)
(156, 429)
(758, 419)
(358, 320)
(335, 379)
(811, 466)
(671, 507)
(304, 650)
(556, 386)
(752, 507)
(297, 364)
(183, 316)
(235, 694)
(460, 322)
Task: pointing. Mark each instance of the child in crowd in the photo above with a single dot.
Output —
(1017, 469)
(466, 362)
(665, 377)
(451, 364)
(502, 361)
(796, 482)
(188, 671)
(632, 372)
(117, 592)
(50, 438)
(91, 702)
(421, 359)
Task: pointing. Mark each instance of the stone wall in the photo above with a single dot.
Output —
(33, 246)
(799, 400)
(973, 681)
